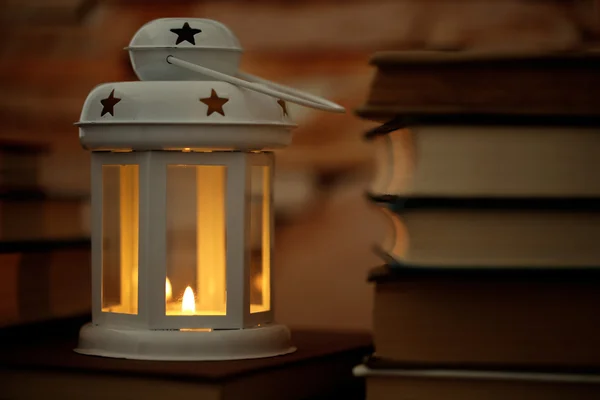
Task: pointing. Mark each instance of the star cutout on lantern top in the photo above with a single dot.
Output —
(283, 106)
(108, 104)
(214, 103)
(186, 34)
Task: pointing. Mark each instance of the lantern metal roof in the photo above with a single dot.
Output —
(185, 102)
(172, 115)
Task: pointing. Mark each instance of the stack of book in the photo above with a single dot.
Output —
(30, 211)
(487, 175)
(44, 241)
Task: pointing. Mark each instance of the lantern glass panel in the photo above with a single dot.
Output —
(196, 250)
(260, 242)
(120, 235)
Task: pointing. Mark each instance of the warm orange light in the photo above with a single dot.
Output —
(188, 303)
(210, 239)
(258, 283)
(195, 330)
(168, 290)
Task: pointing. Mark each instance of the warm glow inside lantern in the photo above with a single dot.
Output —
(182, 204)
(214, 211)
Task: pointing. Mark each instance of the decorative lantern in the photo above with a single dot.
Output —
(182, 200)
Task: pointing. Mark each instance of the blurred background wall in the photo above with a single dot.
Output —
(53, 52)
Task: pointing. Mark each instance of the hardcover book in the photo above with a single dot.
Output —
(39, 361)
(444, 317)
(469, 82)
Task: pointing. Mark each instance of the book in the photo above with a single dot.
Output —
(482, 232)
(497, 158)
(20, 163)
(474, 317)
(43, 364)
(483, 83)
(36, 215)
(44, 280)
(406, 381)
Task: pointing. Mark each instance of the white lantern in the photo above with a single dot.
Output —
(182, 204)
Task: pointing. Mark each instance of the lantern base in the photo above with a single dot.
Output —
(185, 345)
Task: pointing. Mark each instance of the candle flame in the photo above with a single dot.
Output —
(188, 303)
(168, 290)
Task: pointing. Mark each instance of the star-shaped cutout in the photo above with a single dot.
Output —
(214, 103)
(186, 34)
(108, 104)
(283, 106)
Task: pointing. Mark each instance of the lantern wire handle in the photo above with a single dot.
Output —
(264, 86)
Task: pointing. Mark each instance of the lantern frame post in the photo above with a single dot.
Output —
(98, 160)
(262, 159)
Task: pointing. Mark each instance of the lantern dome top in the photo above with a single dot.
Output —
(195, 33)
(196, 40)
(183, 114)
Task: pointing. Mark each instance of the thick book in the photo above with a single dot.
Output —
(407, 381)
(43, 280)
(20, 163)
(479, 83)
(42, 364)
(470, 158)
(37, 215)
(487, 231)
(476, 317)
